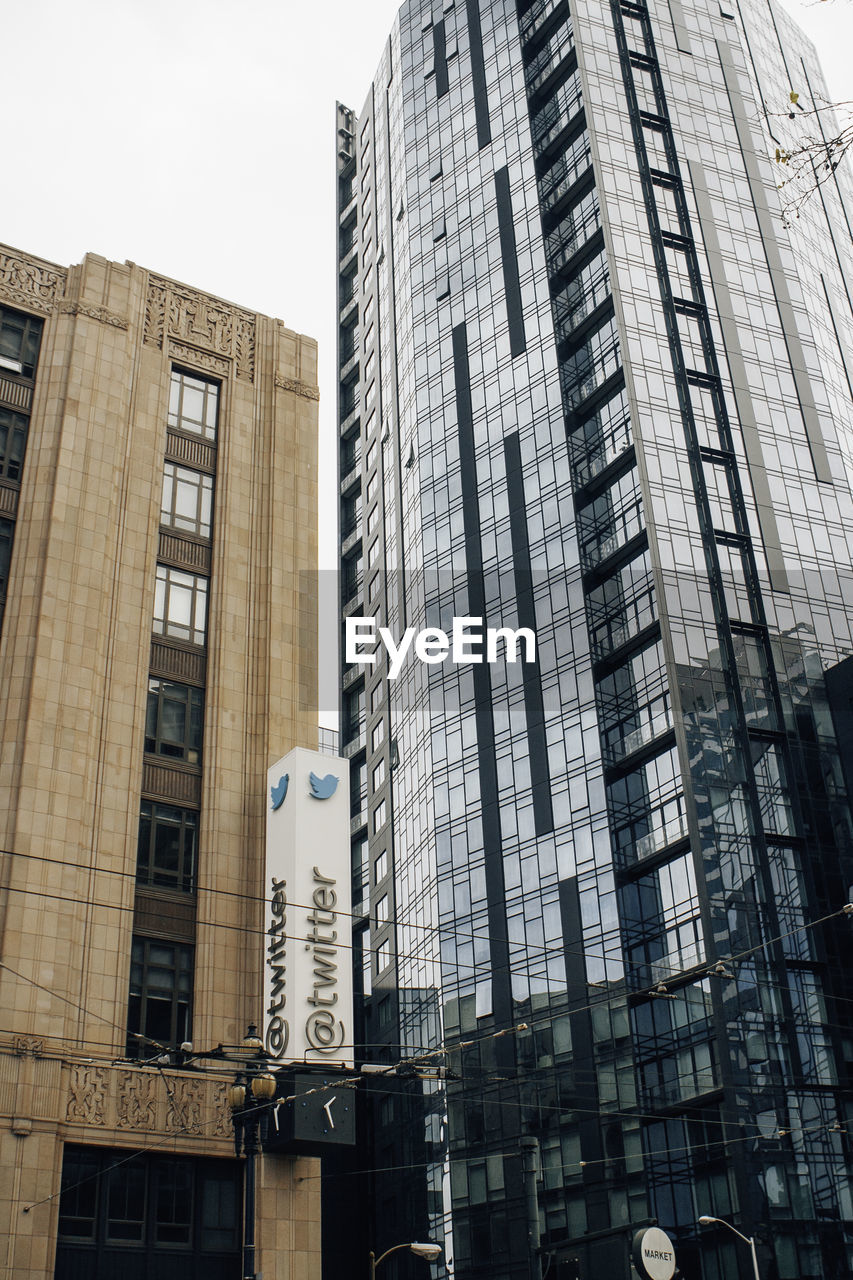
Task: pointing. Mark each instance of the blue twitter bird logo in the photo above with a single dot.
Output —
(322, 788)
(278, 793)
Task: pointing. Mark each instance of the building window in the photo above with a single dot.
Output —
(13, 442)
(360, 873)
(350, 515)
(7, 532)
(353, 714)
(180, 605)
(174, 719)
(358, 787)
(193, 404)
(382, 910)
(379, 775)
(187, 500)
(383, 955)
(20, 339)
(126, 1214)
(159, 1009)
(378, 733)
(167, 853)
(379, 815)
(352, 576)
(380, 866)
(376, 697)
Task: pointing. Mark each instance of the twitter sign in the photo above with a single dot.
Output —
(308, 937)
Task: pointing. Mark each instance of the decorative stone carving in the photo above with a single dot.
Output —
(244, 347)
(186, 1106)
(204, 324)
(199, 321)
(137, 1104)
(28, 1047)
(87, 1096)
(31, 283)
(189, 355)
(297, 387)
(155, 315)
(222, 1126)
(94, 313)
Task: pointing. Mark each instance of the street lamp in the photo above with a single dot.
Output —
(425, 1249)
(249, 1097)
(705, 1221)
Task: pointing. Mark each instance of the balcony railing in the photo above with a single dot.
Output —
(549, 58)
(590, 462)
(661, 838)
(578, 384)
(557, 114)
(638, 738)
(563, 175)
(538, 13)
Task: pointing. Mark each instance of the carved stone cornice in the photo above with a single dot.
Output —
(128, 1099)
(298, 388)
(32, 284)
(28, 1046)
(87, 1095)
(94, 313)
(201, 359)
(202, 322)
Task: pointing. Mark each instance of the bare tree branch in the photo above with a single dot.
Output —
(820, 138)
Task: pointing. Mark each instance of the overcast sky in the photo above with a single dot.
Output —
(196, 137)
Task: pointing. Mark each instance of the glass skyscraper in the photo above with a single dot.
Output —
(591, 384)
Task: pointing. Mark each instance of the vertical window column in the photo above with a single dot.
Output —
(160, 996)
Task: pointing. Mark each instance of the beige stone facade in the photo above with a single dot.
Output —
(77, 653)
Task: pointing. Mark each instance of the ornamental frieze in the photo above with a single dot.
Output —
(30, 283)
(129, 1100)
(136, 1104)
(298, 388)
(87, 1095)
(94, 313)
(199, 359)
(203, 323)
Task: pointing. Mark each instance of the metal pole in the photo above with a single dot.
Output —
(754, 1258)
(250, 1140)
(531, 1167)
(372, 1265)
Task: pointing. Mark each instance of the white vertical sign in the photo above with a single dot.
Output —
(308, 940)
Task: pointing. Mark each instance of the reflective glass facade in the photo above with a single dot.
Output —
(590, 384)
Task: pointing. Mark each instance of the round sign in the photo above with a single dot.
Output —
(654, 1254)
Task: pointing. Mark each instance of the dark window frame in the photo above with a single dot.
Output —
(189, 747)
(178, 420)
(175, 474)
(141, 1015)
(151, 866)
(195, 1200)
(17, 427)
(19, 355)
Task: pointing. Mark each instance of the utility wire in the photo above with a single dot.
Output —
(556, 949)
(486, 966)
(652, 991)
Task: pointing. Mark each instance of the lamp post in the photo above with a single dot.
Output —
(706, 1220)
(248, 1098)
(425, 1249)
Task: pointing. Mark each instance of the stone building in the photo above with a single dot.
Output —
(157, 654)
